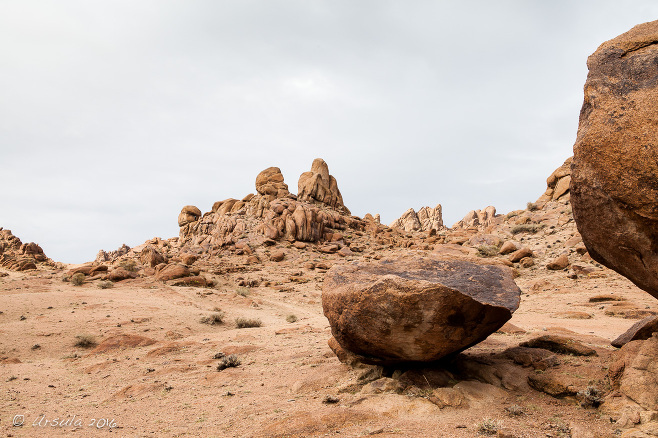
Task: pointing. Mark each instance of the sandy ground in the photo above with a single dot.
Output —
(153, 372)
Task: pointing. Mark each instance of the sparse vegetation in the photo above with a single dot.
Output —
(291, 318)
(511, 214)
(488, 426)
(590, 397)
(527, 228)
(229, 361)
(12, 378)
(531, 206)
(77, 279)
(515, 411)
(487, 250)
(242, 291)
(247, 322)
(105, 284)
(219, 355)
(36, 347)
(128, 265)
(213, 319)
(85, 341)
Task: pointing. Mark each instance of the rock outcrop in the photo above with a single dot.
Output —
(557, 184)
(424, 220)
(318, 186)
(109, 256)
(477, 218)
(19, 256)
(614, 181)
(273, 213)
(416, 309)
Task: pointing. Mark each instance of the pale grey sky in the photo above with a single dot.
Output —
(113, 115)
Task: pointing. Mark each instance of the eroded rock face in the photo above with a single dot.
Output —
(635, 372)
(318, 186)
(614, 180)
(477, 218)
(416, 309)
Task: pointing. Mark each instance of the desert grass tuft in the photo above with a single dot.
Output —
(85, 341)
(77, 279)
(213, 319)
(291, 318)
(527, 228)
(247, 322)
(229, 361)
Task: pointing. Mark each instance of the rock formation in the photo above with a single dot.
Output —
(426, 219)
(557, 184)
(614, 181)
(477, 218)
(416, 309)
(318, 186)
(274, 213)
(19, 256)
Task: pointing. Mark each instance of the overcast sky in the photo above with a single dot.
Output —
(115, 114)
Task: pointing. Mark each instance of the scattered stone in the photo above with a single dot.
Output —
(508, 247)
(278, 256)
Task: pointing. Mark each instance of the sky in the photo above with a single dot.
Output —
(116, 114)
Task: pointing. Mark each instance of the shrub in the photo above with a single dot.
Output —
(487, 250)
(515, 411)
(77, 279)
(590, 397)
(213, 319)
(242, 291)
(229, 361)
(488, 426)
(291, 318)
(532, 206)
(247, 323)
(85, 341)
(128, 264)
(105, 284)
(527, 228)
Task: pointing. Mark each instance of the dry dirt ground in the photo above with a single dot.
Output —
(153, 371)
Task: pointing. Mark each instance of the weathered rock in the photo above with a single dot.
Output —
(318, 186)
(188, 259)
(188, 214)
(635, 372)
(277, 256)
(508, 247)
(522, 253)
(172, 271)
(641, 330)
(557, 184)
(110, 256)
(120, 274)
(558, 263)
(614, 193)
(151, 256)
(270, 183)
(416, 308)
(561, 345)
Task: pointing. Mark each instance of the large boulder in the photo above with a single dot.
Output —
(188, 214)
(416, 309)
(318, 186)
(614, 175)
(270, 183)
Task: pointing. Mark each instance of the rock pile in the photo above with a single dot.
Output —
(615, 165)
(415, 309)
(315, 214)
(477, 218)
(425, 220)
(19, 256)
